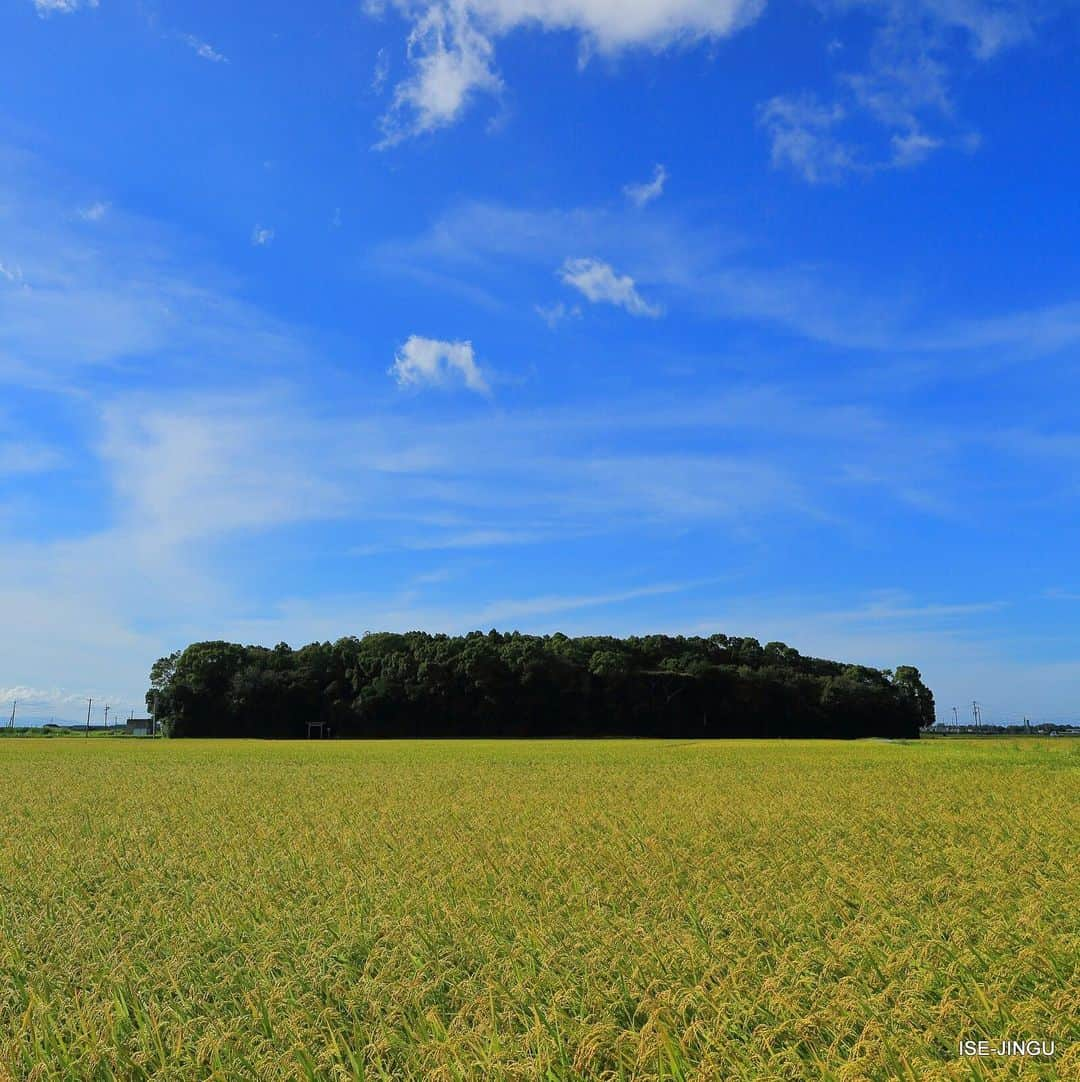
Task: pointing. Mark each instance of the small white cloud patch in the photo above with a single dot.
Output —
(598, 282)
(203, 49)
(61, 7)
(554, 314)
(95, 212)
(912, 148)
(261, 236)
(381, 72)
(803, 137)
(642, 194)
(431, 362)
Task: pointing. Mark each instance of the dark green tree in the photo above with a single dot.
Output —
(488, 684)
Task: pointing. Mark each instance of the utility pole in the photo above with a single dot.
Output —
(11, 724)
(955, 717)
(89, 704)
(106, 717)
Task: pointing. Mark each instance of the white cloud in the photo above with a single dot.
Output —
(95, 212)
(36, 704)
(611, 25)
(203, 49)
(913, 148)
(127, 298)
(430, 362)
(992, 25)
(598, 282)
(804, 137)
(701, 265)
(903, 88)
(451, 48)
(210, 466)
(451, 43)
(699, 262)
(483, 537)
(31, 695)
(642, 194)
(1023, 333)
(506, 610)
(554, 314)
(62, 7)
(902, 82)
(802, 133)
(452, 61)
(381, 71)
(676, 487)
(261, 236)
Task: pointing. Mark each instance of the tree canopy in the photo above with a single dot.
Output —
(514, 685)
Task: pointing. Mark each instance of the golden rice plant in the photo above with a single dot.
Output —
(537, 910)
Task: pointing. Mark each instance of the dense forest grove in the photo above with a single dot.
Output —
(514, 685)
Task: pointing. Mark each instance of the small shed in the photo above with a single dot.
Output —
(139, 727)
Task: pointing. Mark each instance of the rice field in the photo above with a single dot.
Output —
(602, 910)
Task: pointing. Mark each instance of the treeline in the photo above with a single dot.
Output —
(514, 685)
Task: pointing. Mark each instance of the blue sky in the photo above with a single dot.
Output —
(582, 315)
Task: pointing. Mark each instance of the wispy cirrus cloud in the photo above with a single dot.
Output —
(95, 212)
(644, 193)
(204, 50)
(75, 301)
(807, 136)
(707, 270)
(554, 315)
(381, 71)
(701, 267)
(62, 7)
(903, 89)
(508, 609)
(803, 136)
